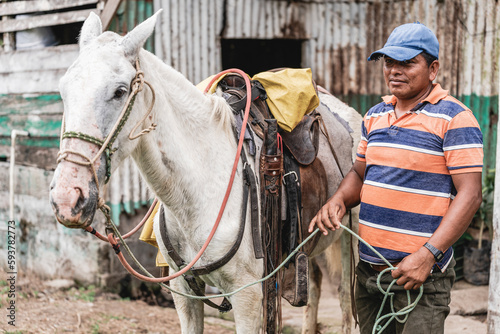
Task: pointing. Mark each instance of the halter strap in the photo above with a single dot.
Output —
(106, 145)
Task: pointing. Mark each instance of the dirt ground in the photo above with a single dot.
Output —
(59, 306)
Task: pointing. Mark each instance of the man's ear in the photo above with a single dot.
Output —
(134, 40)
(433, 70)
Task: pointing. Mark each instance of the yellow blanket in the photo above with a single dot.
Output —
(290, 93)
(148, 235)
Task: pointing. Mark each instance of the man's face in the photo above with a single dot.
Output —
(410, 78)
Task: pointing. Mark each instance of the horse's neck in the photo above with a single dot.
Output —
(187, 159)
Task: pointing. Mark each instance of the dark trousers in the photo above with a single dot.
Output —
(428, 316)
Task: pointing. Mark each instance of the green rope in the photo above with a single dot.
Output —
(377, 328)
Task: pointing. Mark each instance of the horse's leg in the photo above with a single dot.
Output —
(247, 306)
(190, 311)
(345, 283)
(310, 317)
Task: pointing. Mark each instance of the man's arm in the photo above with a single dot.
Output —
(346, 196)
(415, 268)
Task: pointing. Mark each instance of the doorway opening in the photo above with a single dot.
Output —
(258, 55)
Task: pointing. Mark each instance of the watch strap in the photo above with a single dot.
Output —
(438, 255)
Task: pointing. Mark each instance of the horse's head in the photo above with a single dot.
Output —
(95, 92)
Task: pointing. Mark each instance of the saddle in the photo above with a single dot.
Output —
(281, 235)
(302, 141)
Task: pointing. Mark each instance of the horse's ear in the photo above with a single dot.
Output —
(92, 27)
(134, 40)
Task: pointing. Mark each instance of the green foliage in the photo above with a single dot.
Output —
(87, 294)
(95, 328)
(484, 216)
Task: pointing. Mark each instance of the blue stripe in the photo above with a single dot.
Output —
(399, 219)
(463, 136)
(409, 178)
(460, 167)
(448, 108)
(413, 138)
(367, 254)
(379, 108)
(393, 256)
(364, 132)
(360, 155)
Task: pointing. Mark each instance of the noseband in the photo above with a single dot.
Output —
(106, 144)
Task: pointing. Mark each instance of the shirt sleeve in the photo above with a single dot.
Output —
(463, 144)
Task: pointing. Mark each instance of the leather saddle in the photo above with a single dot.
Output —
(302, 141)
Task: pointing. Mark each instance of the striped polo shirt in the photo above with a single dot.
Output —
(409, 163)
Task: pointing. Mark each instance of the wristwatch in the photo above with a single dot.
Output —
(438, 255)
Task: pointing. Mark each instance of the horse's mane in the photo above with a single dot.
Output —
(222, 112)
(188, 97)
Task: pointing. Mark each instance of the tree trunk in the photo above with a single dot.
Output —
(494, 293)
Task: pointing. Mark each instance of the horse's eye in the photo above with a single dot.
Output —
(120, 92)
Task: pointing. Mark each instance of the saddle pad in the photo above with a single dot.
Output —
(148, 236)
(290, 94)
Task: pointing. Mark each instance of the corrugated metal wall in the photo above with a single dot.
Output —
(337, 38)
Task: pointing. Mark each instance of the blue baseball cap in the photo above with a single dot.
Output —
(408, 41)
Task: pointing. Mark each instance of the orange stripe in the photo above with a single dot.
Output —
(377, 124)
(391, 240)
(415, 203)
(411, 160)
(464, 157)
(466, 170)
(432, 125)
(464, 119)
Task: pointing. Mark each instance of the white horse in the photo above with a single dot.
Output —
(186, 161)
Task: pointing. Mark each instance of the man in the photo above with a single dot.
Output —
(417, 177)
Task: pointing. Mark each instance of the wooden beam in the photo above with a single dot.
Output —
(109, 12)
(23, 7)
(48, 58)
(45, 20)
(39, 82)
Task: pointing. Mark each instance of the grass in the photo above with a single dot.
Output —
(86, 294)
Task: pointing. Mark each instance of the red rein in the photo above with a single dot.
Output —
(114, 242)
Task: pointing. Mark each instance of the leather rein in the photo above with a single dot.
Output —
(106, 148)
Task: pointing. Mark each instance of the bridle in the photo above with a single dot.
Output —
(106, 144)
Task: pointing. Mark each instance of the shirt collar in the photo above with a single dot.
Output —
(437, 94)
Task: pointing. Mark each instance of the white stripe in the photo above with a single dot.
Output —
(446, 117)
(406, 147)
(459, 147)
(363, 138)
(394, 229)
(379, 114)
(408, 190)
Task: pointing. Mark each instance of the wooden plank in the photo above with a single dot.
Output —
(108, 12)
(40, 82)
(45, 20)
(23, 7)
(50, 58)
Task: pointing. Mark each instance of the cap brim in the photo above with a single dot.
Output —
(395, 52)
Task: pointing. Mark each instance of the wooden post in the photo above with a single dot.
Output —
(494, 292)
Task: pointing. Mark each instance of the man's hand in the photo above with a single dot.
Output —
(414, 269)
(329, 217)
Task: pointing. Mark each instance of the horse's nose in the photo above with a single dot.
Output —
(68, 203)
